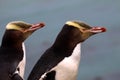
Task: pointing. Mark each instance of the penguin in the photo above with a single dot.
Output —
(12, 51)
(61, 60)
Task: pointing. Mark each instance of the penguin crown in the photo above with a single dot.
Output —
(78, 24)
(18, 25)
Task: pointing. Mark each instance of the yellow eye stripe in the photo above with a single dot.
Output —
(11, 26)
(18, 25)
(72, 24)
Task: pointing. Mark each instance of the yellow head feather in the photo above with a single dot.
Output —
(72, 23)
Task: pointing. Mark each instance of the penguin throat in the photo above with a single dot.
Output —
(11, 44)
(64, 47)
(15, 46)
(10, 40)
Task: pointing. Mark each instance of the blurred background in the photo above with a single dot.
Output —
(100, 53)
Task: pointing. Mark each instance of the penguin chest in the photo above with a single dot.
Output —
(67, 69)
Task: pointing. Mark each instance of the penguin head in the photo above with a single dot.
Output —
(18, 31)
(23, 29)
(85, 31)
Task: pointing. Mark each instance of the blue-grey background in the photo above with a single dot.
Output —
(100, 53)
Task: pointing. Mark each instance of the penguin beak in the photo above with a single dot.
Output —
(96, 30)
(31, 29)
(35, 27)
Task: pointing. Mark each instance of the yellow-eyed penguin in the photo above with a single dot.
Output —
(61, 60)
(12, 51)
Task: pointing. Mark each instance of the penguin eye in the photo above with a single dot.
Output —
(84, 29)
(23, 29)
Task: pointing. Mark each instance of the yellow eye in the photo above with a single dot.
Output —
(84, 29)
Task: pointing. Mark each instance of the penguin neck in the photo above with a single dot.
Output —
(76, 52)
(12, 45)
(64, 45)
(11, 40)
(66, 41)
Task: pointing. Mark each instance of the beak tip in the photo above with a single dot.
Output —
(98, 29)
(42, 24)
(103, 29)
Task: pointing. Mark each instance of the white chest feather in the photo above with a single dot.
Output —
(21, 65)
(68, 68)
